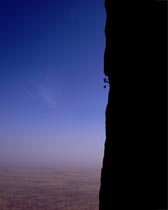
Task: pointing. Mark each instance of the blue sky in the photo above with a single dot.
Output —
(51, 81)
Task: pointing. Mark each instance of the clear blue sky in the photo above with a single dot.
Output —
(52, 100)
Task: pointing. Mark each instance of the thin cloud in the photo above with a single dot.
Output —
(45, 89)
(47, 95)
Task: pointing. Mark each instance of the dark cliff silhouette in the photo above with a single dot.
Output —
(134, 174)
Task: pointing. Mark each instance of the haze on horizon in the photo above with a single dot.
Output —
(51, 82)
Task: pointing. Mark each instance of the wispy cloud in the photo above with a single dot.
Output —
(47, 95)
(46, 89)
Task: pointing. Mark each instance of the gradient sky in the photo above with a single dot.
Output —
(52, 100)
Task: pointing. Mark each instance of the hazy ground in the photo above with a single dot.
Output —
(48, 189)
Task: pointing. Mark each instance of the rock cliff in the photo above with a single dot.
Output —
(133, 175)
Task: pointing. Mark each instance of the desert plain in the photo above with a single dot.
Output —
(33, 188)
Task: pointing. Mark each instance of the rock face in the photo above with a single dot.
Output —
(134, 166)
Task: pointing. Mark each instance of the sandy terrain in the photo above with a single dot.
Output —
(48, 189)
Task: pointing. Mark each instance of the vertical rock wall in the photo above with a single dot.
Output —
(134, 166)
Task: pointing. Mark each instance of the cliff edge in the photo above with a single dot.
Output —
(134, 172)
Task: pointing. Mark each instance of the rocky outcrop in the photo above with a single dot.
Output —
(133, 175)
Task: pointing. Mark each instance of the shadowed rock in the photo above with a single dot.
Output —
(134, 166)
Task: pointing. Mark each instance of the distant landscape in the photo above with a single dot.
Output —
(28, 188)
